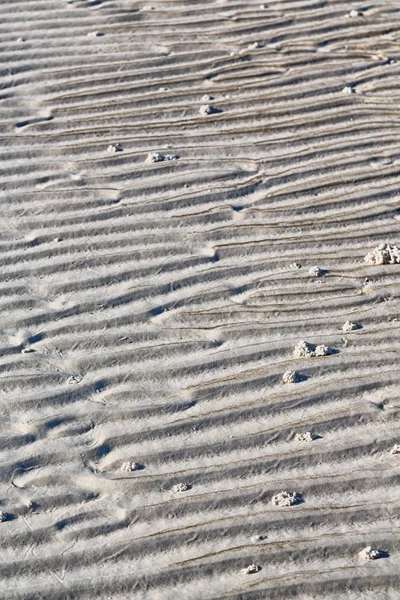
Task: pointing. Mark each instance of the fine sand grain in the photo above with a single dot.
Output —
(189, 189)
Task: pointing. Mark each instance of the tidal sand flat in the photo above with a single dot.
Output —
(199, 300)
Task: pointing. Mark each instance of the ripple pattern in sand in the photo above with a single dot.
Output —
(170, 173)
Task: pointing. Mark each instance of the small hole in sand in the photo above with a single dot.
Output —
(258, 538)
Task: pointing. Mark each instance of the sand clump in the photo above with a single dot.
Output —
(384, 254)
(310, 350)
(254, 46)
(348, 89)
(155, 157)
(181, 487)
(207, 109)
(129, 466)
(308, 436)
(115, 147)
(286, 499)
(316, 272)
(3, 516)
(290, 377)
(251, 569)
(395, 449)
(370, 553)
(349, 326)
(354, 13)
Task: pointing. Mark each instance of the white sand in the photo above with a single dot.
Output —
(149, 308)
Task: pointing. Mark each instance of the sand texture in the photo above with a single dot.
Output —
(199, 335)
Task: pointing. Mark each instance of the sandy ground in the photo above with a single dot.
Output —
(188, 191)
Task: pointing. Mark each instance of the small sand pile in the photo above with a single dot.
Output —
(207, 109)
(308, 436)
(349, 326)
(290, 377)
(155, 157)
(395, 449)
(254, 46)
(305, 349)
(3, 516)
(348, 89)
(251, 569)
(370, 553)
(115, 148)
(384, 254)
(129, 466)
(315, 272)
(355, 13)
(181, 487)
(286, 499)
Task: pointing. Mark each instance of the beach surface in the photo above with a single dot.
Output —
(199, 300)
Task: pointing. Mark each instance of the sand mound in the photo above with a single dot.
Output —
(370, 553)
(308, 436)
(287, 499)
(181, 487)
(349, 326)
(290, 377)
(384, 254)
(128, 466)
(316, 272)
(251, 569)
(310, 350)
